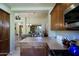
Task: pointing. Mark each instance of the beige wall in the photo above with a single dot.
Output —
(31, 18)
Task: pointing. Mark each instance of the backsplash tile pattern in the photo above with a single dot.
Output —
(65, 34)
(59, 35)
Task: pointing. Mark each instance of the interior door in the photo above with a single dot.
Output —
(1, 31)
(4, 32)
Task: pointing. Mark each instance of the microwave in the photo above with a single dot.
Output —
(71, 17)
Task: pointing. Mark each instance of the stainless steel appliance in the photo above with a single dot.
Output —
(71, 17)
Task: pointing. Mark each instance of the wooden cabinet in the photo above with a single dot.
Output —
(29, 49)
(57, 16)
(4, 32)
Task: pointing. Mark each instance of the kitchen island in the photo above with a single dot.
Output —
(38, 46)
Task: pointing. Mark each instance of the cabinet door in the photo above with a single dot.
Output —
(5, 36)
(0, 25)
(4, 43)
(57, 16)
(62, 8)
(54, 18)
(0, 31)
(61, 16)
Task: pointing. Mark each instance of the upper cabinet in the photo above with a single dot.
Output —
(57, 16)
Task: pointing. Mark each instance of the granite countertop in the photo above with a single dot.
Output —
(52, 43)
(33, 39)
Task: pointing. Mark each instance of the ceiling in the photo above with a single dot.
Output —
(34, 14)
(30, 6)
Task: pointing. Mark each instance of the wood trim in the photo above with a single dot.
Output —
(4, 11)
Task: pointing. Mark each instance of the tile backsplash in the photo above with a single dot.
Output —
(59, 35)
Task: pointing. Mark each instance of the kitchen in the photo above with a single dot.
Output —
(61, 29)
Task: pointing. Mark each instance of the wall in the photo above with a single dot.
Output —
(12, 33)
(59, 35)
(36, 18)
(4, 7)
(31, 7)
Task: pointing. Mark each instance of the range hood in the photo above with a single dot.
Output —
(71, 17)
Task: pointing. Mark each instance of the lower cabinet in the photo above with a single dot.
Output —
(40, 49)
